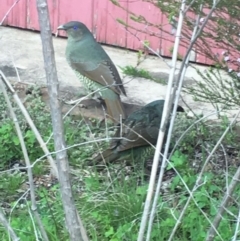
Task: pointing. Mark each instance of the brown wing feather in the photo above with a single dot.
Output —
(105, 74)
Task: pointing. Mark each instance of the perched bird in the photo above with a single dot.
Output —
(94, 67)
(138, 131)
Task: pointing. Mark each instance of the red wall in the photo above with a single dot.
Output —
(100, 16)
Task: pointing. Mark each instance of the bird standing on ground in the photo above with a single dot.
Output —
(94, 67)
(138, 132)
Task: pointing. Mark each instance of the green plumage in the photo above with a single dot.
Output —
(93, 67)
(139, 131)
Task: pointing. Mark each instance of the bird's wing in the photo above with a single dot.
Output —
(105, 74)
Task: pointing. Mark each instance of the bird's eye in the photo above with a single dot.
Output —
(75, 27)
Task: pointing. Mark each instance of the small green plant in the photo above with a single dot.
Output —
(51, 213)
(111, 202)
(10, 146)
(132, 71)
(141, 73)
(216, 87)
(110, 213)
(10, 183)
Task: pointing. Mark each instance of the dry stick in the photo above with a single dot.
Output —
(142, 42)
(31, 124)
(166, 109)
(33, 224)
(67, 148)
(73, 221)
(226, 163)
(182, 72)
(9, 11)
(28, 164)
(159, 184)
(188, 129)
(7, 226)
(224, 203)
(237, 228)
(189, 6)
(227, 196)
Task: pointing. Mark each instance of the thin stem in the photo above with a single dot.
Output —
(27, 161)
(7, 226)
(31, 124)
(166, 111)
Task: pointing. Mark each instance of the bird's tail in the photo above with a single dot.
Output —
(115, 109)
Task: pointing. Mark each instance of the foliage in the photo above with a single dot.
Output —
(224, 20)
(141, 73)
(220, 89)
(111, 201)
(112, 208)
(130, 70)
(50, 210)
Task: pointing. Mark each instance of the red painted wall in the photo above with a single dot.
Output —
(100, 16)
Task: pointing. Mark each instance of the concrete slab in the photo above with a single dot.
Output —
(23, 49)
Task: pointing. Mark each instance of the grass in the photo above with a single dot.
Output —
(110, 203)
(141, 73)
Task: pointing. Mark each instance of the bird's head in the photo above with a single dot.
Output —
(75, 30)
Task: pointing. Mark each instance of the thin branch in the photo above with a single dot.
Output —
(31, 124)
(66, 148)
(213, 227)
(7, 226)
(237, 228)
(10, 9)
(234, 182)
(75, 228)
(33, 223)
(159, 184)
(27, 161)
(166, 112)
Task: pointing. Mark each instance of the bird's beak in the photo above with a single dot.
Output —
(61, 27)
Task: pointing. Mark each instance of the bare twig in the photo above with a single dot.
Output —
(33, 223)
(7, 226)
(31, 124)
(237, 228)
(10, 9)
(159, 184)
(166, 108)
(213, 225)
(66, 148)
(224, 203)
(73, 221)
(27, 161)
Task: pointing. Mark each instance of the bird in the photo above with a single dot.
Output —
(136, 135)
(94, 68)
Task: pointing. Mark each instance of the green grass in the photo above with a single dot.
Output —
(141, 73)
(111, 203)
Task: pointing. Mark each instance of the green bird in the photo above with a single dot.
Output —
(94, 67)
(136, 135)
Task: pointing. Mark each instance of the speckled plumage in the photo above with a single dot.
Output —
(93, 67)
